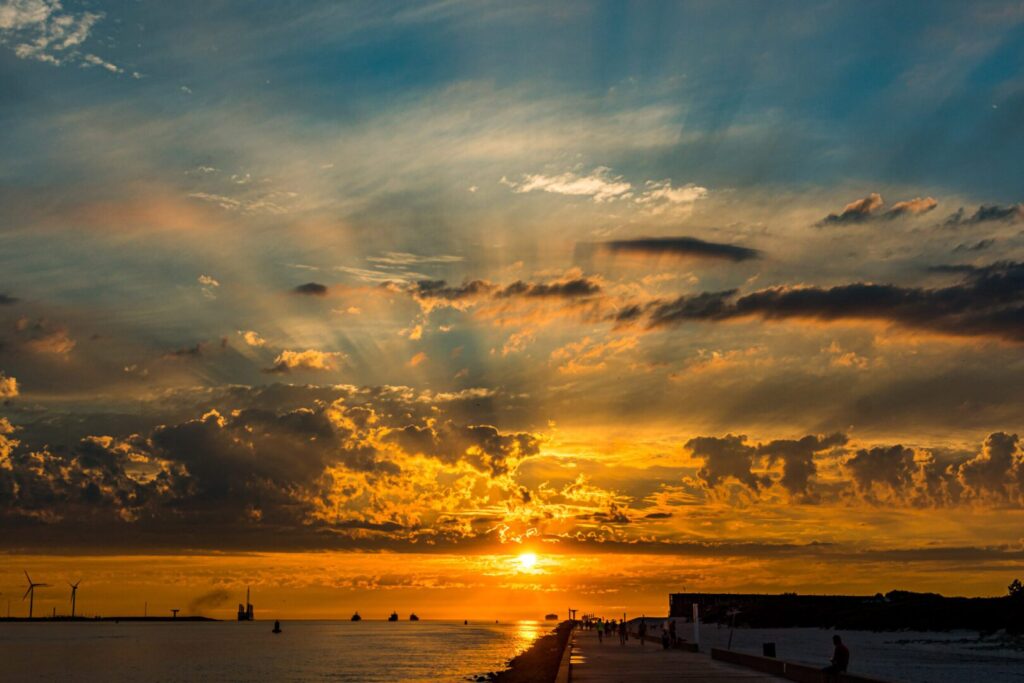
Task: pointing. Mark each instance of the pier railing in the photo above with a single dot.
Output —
(683, 645)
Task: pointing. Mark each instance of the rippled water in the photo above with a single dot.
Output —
(229, 651)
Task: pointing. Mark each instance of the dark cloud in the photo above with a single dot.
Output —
(727, 458)
(483, 446)
(869, 208)
(892, 467)
(7, 300)
(797, 458)
(989, 301)
(682, 246)
(892, 475)
(704, 306)
(186, 352)
(311, 289)
(733, 458)
(577, 287)
(439, 289)
(998, 470)
(980, 245)
(987, 213)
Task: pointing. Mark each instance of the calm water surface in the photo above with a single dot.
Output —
(228, 651)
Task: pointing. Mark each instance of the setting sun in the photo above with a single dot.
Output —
(527, 561)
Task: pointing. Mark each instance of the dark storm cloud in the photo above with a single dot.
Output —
(311, 289)
(987, 213)
(681, 246)
(988, 302)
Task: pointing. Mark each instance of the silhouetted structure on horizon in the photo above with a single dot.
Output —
(245, 612)
(896, 610)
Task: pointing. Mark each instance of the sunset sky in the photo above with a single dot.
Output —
(357, 302)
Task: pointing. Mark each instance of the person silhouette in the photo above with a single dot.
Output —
(277, 626)
(840, 657)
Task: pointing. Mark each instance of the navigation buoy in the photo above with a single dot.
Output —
(277, 627)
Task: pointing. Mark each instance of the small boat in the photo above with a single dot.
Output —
(356, 617)
(551, 617)
(393, 617)
(277, 627)
(413, 617)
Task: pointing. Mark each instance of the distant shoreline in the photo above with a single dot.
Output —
(77, 620)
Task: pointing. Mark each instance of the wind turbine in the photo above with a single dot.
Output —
(74, 593)
(31, 593)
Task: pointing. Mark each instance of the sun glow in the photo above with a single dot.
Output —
(527, 561)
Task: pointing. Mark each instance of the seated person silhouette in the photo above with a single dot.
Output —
(840, 657)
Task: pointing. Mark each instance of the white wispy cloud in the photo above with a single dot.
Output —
(601, 186)
(662, 193)
(43, 30)
(401, 258)
(267, 203)
(93, 60)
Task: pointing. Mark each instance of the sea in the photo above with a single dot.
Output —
(366, 651)
(370, 651)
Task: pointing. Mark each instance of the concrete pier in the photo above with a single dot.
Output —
(609, 662)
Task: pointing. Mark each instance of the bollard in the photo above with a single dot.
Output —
(696, 625)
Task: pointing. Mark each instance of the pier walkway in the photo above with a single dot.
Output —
(609, 662)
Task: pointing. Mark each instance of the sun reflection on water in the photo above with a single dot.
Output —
(526, 633)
